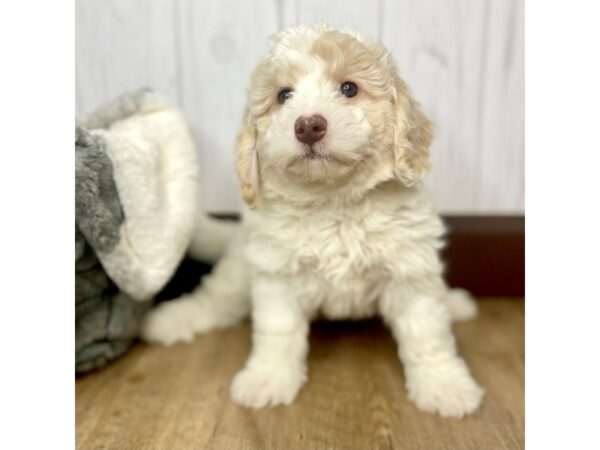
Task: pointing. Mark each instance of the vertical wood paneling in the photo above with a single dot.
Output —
(220, 44)
(502, 171)
(123, 45)
(362, 15)
(463, 60)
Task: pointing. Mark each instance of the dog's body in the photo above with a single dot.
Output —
(338, 260)
(341, 227)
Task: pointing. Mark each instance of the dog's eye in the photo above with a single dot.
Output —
(283, 95)
(349, 89)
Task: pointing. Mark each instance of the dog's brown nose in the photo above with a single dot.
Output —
(310, 129)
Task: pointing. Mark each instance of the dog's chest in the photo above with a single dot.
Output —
(338, 248)
(337, 263)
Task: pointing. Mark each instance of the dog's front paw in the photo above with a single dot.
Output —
(447, 388)
(167, 324)
(257, 387)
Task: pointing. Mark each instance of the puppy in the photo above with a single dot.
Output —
(330, 156)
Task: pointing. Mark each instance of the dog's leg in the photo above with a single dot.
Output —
(437, 379)
(276, 368)
(461, 304)
(220, 301)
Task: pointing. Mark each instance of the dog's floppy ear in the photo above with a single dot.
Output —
(412, 136)
(247, 161)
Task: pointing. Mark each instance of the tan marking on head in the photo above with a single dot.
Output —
(348, 59)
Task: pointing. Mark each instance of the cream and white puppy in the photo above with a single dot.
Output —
(331, 155)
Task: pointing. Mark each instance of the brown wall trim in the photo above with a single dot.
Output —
(484, 254)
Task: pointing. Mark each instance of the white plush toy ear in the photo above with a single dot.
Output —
(412, 137)
(156, 174)
(247, 161)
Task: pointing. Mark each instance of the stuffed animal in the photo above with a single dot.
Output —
(137, 212)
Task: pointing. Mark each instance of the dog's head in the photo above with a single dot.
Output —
(326, 107)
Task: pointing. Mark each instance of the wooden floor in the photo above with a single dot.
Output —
(177, 398)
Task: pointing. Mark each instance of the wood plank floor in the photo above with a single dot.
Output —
(177, 398)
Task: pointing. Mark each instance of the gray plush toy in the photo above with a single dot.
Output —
(106, 319)
(137, 211)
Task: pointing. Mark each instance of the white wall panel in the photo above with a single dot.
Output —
(463, 60)
(363, 15)
(123, 45)
(220, 44)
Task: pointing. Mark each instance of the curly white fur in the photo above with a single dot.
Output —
(347, 235)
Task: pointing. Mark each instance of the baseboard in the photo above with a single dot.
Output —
(484, 254)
